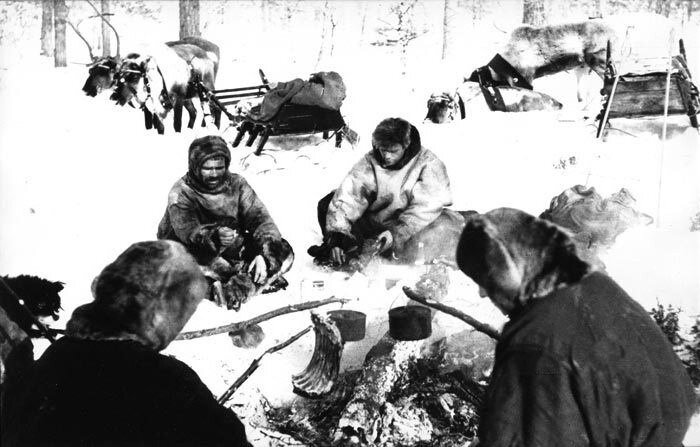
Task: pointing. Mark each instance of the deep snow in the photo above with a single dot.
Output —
(80, 179)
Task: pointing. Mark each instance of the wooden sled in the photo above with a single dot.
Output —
(291, 119)
(643, 91)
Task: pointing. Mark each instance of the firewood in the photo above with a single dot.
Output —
(233, 327)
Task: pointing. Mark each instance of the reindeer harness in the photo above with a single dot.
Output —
(163, 97)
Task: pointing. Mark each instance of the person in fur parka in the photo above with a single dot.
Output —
(106, 384)
(224, 224)
(397, 193)
(579, 363)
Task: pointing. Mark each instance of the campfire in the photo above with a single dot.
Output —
(408, 393)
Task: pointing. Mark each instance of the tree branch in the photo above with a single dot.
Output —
(260, 318)
(256, 363)
(473, 322)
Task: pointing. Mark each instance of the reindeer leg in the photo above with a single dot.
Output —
(191, 111)
(579, 72)
(158, 124)
(177, 117)
(216, 112)
(148, 119)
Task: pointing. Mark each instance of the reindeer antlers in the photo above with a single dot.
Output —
(102, 16)
(75, 28)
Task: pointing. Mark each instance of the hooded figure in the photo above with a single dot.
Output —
(579, 362)
(222, 222)
(397, 193)
(104, 382)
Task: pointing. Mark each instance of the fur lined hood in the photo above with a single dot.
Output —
(201, 150)
(510, 252)
(146, 295)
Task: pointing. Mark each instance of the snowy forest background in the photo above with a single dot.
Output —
(81, 179)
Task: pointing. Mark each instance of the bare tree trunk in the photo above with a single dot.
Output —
(60, 16)
(106, 32)
(46, 27)
(534, 12)
(189, 18)
(690, 9)
(364, 22)
(445, 27)
(597, 9)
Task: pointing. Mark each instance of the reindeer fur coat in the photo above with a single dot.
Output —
(403, 199)
(106, 384)
(580, 363)
(194, 213)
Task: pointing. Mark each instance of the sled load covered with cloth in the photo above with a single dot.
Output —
(295, 107)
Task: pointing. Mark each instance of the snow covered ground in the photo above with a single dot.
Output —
(80, 180)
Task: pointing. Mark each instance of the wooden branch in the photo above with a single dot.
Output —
(473, 322)
(260, 318)
(256, 363)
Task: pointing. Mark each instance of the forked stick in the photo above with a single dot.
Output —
(233, 327)
(473, 322)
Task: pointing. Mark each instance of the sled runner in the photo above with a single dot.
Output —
(652, 87)
(290, 119)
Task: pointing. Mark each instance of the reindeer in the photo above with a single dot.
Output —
(167, 78)
(532, 52)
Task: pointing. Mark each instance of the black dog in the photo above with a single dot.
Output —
(40, 296)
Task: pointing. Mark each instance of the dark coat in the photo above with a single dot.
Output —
(118, 393)
(580, 363)
(195, 213)
(586, 366)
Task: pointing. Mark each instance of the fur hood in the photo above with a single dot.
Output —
(392, 131)
(146, 295)
(201, 150)
(514, 253)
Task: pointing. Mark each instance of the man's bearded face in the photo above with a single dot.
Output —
(212, 172)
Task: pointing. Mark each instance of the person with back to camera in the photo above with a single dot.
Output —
(106, 384)
(579, 363)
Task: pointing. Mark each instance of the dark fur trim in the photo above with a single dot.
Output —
(201, 150)
(275, 253)
(344, 241)
(520, 255)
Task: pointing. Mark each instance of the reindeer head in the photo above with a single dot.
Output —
(129, 83)
(141, 85)
(442, 108)
(101, 74)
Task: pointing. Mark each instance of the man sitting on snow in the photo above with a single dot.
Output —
(223, 223)
(580, 363)
(106, 384)
(395, 195)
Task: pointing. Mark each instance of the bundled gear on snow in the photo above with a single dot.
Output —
(195, 213)
(324, 89)
(579, 362)
(595, 222)
(105, 382)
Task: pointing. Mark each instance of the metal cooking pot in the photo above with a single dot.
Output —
(410, 323)
(351, 323)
